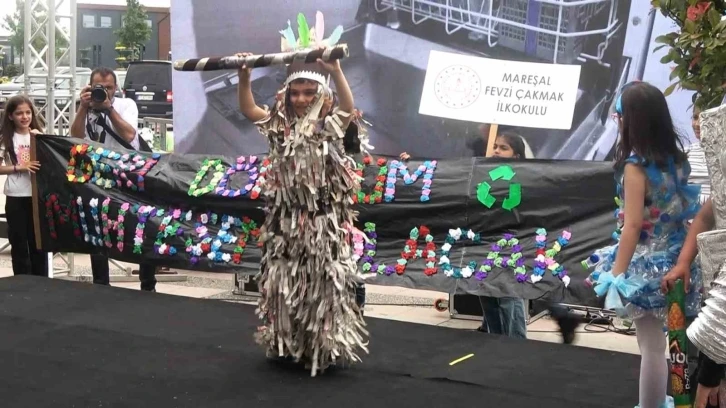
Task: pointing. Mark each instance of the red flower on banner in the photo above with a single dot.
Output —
(400, 269)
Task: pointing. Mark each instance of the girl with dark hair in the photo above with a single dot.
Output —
(506, 315)
(19, 123)
(655, 205)
(509, 145)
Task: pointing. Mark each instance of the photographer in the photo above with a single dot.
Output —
(113, 122)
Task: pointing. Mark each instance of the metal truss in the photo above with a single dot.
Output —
(42, 22)
(41, 19)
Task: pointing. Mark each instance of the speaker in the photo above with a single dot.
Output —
(465, 305)
(245, 284)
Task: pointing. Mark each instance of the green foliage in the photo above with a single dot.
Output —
(15, 24)
(696, 51)
(13, 70)
(134, 32)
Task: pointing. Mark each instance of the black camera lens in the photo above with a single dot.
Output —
(98, 93)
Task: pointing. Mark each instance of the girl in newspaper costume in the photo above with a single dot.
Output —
(308, 276)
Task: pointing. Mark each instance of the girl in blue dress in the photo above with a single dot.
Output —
(655, 203)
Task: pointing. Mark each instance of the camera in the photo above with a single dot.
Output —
(98, 93)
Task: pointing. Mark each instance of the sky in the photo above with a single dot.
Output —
(8, 7)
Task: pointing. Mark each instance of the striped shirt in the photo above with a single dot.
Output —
(699, 170)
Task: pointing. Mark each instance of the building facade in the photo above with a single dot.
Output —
(96, 38)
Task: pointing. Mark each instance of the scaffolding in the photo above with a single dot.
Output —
(43, 22)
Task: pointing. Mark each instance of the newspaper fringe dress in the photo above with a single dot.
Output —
(307, 275)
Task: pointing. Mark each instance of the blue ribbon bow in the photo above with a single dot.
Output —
(615, 288)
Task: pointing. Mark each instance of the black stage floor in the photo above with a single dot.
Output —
(69, 344)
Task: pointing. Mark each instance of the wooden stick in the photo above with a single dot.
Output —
(36, 199)
(493, 129)
(257, 61)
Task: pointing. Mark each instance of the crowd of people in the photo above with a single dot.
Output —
(311, 293)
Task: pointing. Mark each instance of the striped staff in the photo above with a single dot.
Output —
(339, 51)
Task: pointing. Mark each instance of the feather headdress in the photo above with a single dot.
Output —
(308, 38)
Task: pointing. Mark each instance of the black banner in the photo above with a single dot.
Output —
(459, 226)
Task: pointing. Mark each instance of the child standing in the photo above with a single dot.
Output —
(19, 124)
(655, 204)
(307, 275)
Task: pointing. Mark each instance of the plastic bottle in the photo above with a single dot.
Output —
(592, 262)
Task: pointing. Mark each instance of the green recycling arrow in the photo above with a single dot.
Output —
(514, 198)
(482, 194)
(501, 172)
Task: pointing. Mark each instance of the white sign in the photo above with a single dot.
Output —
(499, 91)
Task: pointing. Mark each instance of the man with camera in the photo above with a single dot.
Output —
(113, 122)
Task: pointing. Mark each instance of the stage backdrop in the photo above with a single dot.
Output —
(459, 226)
(390, 42)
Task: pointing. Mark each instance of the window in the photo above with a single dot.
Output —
(106, 22)
(148, 23)
(89, 21)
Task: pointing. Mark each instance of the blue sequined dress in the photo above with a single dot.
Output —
(670, 202)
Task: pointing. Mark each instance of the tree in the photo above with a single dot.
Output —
(134, 31)
(697, 48)
(15, 24)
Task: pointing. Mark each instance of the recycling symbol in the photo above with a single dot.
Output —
(515, 189)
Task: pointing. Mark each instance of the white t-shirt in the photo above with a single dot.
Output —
(128, 111)
(18, 184)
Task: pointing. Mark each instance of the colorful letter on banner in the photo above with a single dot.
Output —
(169, 227)
(142, 214)
(57, 212)
(223, 237)
(219, 183)
(410, 252)
(425, 170)
(207, 164)
(110, 225)
(211, 246)
(515, 260)
(92, 236)
(453, 237)
(93, 170)
(248, 165)
(545, 259)
(376, 196)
